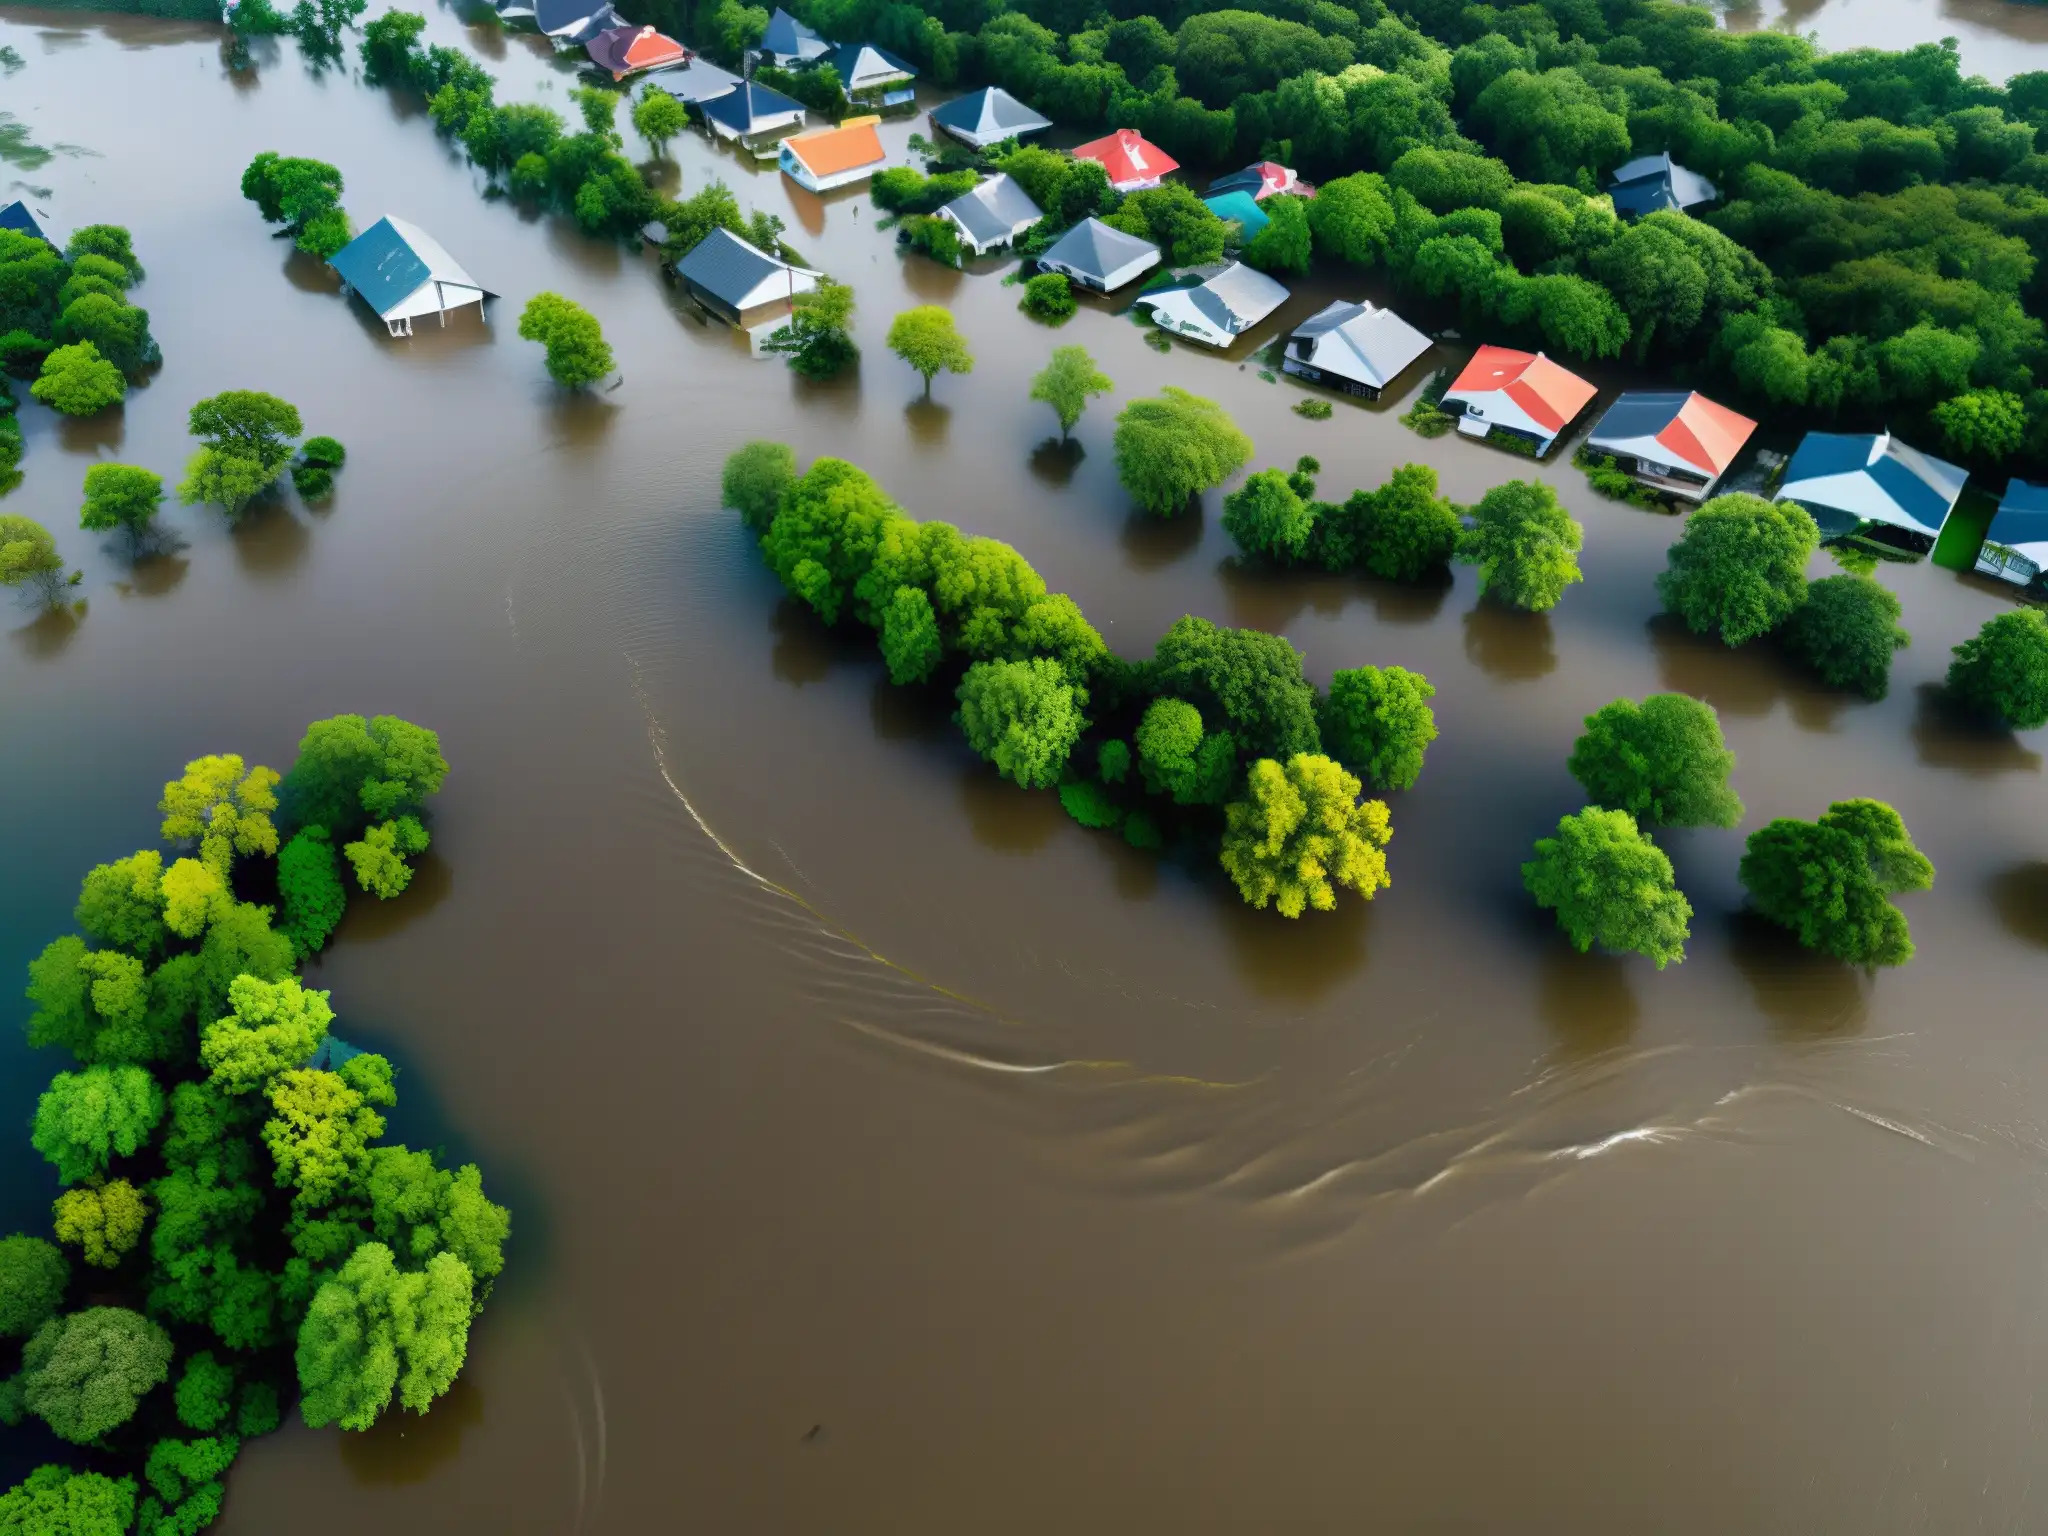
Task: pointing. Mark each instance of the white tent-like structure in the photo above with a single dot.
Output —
(402, 272)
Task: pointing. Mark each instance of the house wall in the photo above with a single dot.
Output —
(1336, 381)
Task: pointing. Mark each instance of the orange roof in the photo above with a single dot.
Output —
(1705, 435)
(828, 151)
(1128, 156)
(1547, 393)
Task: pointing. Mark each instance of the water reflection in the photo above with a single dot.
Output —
(927, 420)
(1294, 961)
(1508, 644)
(1584, 998)
(931, 282)
(1055, 460)
(368, 919)
(1262, 597)
(1150, 542)
(2020, 897)
(1003, 817)
(921, 714)
(1746, 680)
(405, 1448)
(154, 575)
(809, 209)
(804, 651)
(581, 420)
(269, 542)
(309, 274)
(100, 434)
(45, 637)
(1397, 602)
(1803, 993)
(1946, 736)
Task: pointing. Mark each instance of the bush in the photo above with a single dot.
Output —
(2001, 672)
(326, 452)
(33, 1275)
(1425, 419)
(1090, 805)
(1048, 296)
(1846, 630)
(756, 477)
(312, 481)
(937, 238)
(1314, 410)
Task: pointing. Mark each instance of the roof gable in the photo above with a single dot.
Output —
(391, 259)
(1547, 394)
(854, 62)
(1875, 477)
(730, 269)
(786, 37)
(988, 114)
(1091, 246)
(748, 104)
(16, 216)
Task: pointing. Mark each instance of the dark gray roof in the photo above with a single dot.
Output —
(696, 82)
(1091, 246)
(1641, 413)
(726, 266)
(16, 216)
(1362, 341)
(1876, 478)
(746, 105)
(788, 38)
(991, 113)
(577, 20)
(993, 209)
(850, 61)
(1650, 183)
(2022, 517)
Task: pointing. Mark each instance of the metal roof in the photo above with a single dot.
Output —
(1261, 179)
(575, 19)
(730, 269)
(2022, 517)
(1874, 478)
(787, 38)
(696, 82)
(746, 105)
(1091, 246)
(1362, 342)
(1650, 183)
(389, 261)
(1683, 424)
(1240, 296)
(989, 114)
(864, 61)
(993, 209)
(17, 217)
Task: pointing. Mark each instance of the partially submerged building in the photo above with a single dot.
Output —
(1132, 162)
(1218, 311)
(16, 216)
(1521, 393)
(994, 213)
(1848, 479)
(1096, 256)
(986, 117)
(570, 22)
(1652, 183)
(825, 158)
(865, 70)
(1675, 441)
(2016, 544)
(750, 111)
(731, 278)
(624, 51)
(789, 43)
(403, 273)
(696, 82)
(1358, 348)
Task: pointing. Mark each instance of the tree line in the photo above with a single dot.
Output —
(66, 323)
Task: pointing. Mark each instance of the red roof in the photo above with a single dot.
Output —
(626, 50)
(1275, 178)
(1705, 435)
(1128, 156)
(1547, 394)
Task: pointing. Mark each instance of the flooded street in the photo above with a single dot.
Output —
(889, 1154)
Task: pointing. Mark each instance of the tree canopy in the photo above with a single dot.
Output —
(1173, 446)
(756, 477)
(1847, 630)
(1663, 761)
(926, 339)
(1023, 716)
(1828, 881)
(77, 381)
(577, 353)
(120, 496)
(1301, 832)
(1377, 722)
(1739, 569)
(1525, 545)
(84, 1373)
(1068, 381)
(33, 1277)
(2001, 672)
(1611, 886)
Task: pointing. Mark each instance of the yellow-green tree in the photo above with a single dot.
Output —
(926, 338)
(104, 1223)
(1300, 832)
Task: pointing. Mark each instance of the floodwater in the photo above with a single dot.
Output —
(891, 1155)
(1996, 38)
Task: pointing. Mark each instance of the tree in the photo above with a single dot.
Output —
(224, 806)
(1352, 218)
(1250, 681)
(817, 340)
(374, 1328)
(1846, 630)
(246, 439)
(1663, 761)
(1550, 127)
(1172, 447)
(309, 890)
(1179, 759)
(303, 195)
(350, 771)
(1267, 517)
(122, 903)
(1378, 724)
(320, 1134)
(28, 557)
(911, 646)
(2001, 672)
(1023, 716)
(419, 1210)
(77, 381)
(274, 1026)
(205, 1393)
(84, 1373)
(659, 117)
(757, 476)
(33, 1275)
(1983, 423)
(1067, 382)
(86, 1118)
(1284, 244)
(105, 1223)
(1300, 832)
(1186, 230)
(1739, 569)
(379, 856)
(94, 1003)
(120, 496)
(1403, 531)
(109, 242)
(1048, 297)
(924, 337)
(106, 319)
(1611, 886)
(825, 535)
(1525, 545)
(1827, 881)
(226, 480)
(577, 353)
(56, 1501)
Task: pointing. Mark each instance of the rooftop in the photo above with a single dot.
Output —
(1547, 394)
(829, 151)
(1092, 246)
(391, 259)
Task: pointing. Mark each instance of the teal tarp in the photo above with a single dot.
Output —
(1240, 207)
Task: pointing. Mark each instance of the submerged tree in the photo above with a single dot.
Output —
(1067, 382)
(818, 339)
(926, 338)
(756, 477)
(1739, 569)
(247, 440)
(1663, 761)
(1173, 446)
(29, 558)
(1377, 722)
(303, 195)
(1525, 545)
(2001, 672)
(1611, 886)
(1023, 716)
(77, 381)
(1847, 630)
(121, 496)
(1300, 833)
(1828, 881)
(577, 353)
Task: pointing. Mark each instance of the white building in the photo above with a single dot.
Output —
(993, 214)
(1220, 310)
(402, 272)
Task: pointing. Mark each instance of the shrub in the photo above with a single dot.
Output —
(1049, 297)
(1314, 410)
(1090, 805)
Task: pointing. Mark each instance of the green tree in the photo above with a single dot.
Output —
(659, 117)
(1173, 446)
(1525, 545)
(2001, 672)
(1827, 881)
(28, 557)
(119, 329)
(1284, 245)
(577, 353)
(77, 381)
(185, 1474)
(1179, 759)
(56, 1501)
(104, 1223)
(1846, 630)
(84, 1373)
(1611, 886)
(1048, 297)
(214, 477)
(1300, 832)
(374, 1328)
(120, 496)
(1551, 127)
(109, 242)
(310, 891)
(33, 1276)
(1402, 531)
(817, 340)
(122, 903)
(1268, 518)
(1983, 423)
(1067, 382)
(205, 1393)
(320, 1134)
(1172, 217)
(86, 1118)
(224, 806)
(757, 476)
(350, 771)
(94, 1003)
(274, 1026)
(1378, 724)
(911, 645)
(419, 1210)
(1739, 569)
(1352, 219)
(925, 338)
(1249, 680)
(292, 192)
(249, 423)
(826, 534)
(379, 856)
(1023, 716)
(1663, 761)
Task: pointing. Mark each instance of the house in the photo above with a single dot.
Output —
(1672, 441)
(748, 110)
(788, 42)
(1523, 393)
(570, 22)
(1358, 348)
(1265, 179)
(862, 67)
(1096, 256)
(1220, 310)
(1650, 183)
(15, 216)
(696, 82)
(1133, 163)
(629, 50)
(825, 158)
(730, 277)
(987, 117)
(1848, 479)
(1239, 208)
(2016, 544)
(402, 272)
(994, 213)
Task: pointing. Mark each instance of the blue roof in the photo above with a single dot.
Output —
(1242, 207)
(990, 113)
(16, 216)
(746, 104)
(1875, 478)
(381, 266)
(846, 62)
(2022, 517)
(788, 38)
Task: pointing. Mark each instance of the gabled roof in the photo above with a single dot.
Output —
(1687, 427)
(389, 261)
(854, 62)
(730, 269)
(993, 209)
(2022, 517)
(574, 18)
(1548, 395)
(1262, 180)
(1242, 207)
(787, 37)
(1873, 477)
(1240, 296)
(989, 114)
(829, 151)
(747, 105)
(1653, 182)
(1091, 246)
(1362, 342)
(17, 217)
(1128, 156)
(625, 50)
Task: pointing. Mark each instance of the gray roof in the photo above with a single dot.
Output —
(727, 267)
(16, 216)
(1641, 413)
(388, 262)
(1653, 182)
(1362, 342)
(1874, 478)
(577, 20)
(787, 37)
(993, 209)
(1239, 296)
(2022, 517)
(1091, 246)
(990, 114)
(747, 105)
(850, 61)
(696, 82)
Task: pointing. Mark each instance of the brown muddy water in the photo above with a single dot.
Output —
(888, 1153)
(1995, 38)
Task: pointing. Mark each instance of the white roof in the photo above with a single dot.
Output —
(1363, 342)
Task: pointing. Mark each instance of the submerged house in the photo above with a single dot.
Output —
(1266, 178)
(403, 273)
(1848, 479)
(750, 111)
(825, 158)
(628, 50)
(1240, 208)
(15, 216)
(1651, 183)
(1522, 393)
(696, 82)
(1132, 161)
(1678, 442)
(1096, 256)
(1358, 348)
(730, 277)
(994, 213)
(788, 42)
(864, 69)
(986, 117)
(1220, 310)
(570, 22)
(2016, 544)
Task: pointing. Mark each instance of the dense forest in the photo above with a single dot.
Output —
(1873, 256)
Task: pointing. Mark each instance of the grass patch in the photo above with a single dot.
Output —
(1963, 534)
